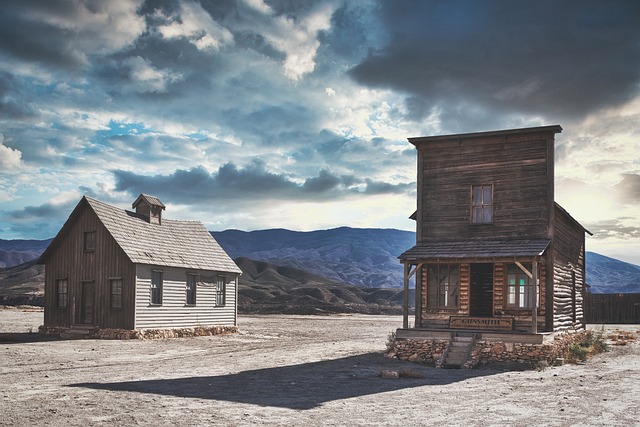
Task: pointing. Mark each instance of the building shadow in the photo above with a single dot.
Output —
(303, 386)
(25, 337)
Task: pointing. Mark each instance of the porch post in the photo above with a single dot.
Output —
(418, 295)
(534, 297)
(405, 303)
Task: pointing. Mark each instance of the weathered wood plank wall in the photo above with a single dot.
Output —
(612, 308)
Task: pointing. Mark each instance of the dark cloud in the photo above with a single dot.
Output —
(555, 59)
(250, 183)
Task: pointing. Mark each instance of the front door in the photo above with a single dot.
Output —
(481, 295)
(86, 308)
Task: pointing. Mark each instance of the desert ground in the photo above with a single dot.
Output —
(293, 370)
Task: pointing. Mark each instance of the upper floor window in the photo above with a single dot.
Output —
(156, 287)
(191, 289)
(482, 204)
(90, 241)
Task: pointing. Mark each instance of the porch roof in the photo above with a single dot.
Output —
(476, 249)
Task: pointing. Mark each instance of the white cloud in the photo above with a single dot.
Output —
(296, 38)
(10, 158)
(196, 25)
(146, 78)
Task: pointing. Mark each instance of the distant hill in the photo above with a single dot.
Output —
(609, 275)
(365, 257)
(15, 252)
(354, 256)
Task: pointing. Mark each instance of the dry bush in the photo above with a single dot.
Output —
(619, 337)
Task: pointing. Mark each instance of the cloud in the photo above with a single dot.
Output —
(66, 33)
(252, 182)
(193, 23)
(10, 158)
(552, 59)
(629, 188)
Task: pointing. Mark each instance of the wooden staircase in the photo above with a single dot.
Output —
(459, 349)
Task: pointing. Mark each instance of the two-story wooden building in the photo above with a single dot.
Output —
(109, 268)
(494, 252)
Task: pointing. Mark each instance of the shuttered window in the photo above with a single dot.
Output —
(90, 241)
(482, 204)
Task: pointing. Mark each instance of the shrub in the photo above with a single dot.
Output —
(576, 352)
(391, 339)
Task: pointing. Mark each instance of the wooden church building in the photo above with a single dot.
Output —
(110, 268)
(495, 255)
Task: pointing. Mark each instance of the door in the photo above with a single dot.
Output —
(481, 295)
(86, 308)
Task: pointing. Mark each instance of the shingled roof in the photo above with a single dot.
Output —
(477, 249)
(183, 244)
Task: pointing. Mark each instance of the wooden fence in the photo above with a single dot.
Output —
(612, 308)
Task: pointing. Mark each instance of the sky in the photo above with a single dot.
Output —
(255, 114)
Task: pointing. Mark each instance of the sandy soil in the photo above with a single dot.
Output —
(292, 370)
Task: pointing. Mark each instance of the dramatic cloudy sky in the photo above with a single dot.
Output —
(255, 114)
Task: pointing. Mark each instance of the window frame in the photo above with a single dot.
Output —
(191, 292)
(155, 288)
(482, 206)
(518, 294)
(441, 288)
(89, 241)
(115, 298)
(62, 302)
(220, 291)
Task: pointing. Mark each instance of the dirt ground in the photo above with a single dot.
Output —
(292, 370)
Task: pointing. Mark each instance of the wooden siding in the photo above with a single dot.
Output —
(612, 308)
(568, 273)
(174, 312)
(517, 165)
(70, 261)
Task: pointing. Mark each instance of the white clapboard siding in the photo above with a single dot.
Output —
(174, 312)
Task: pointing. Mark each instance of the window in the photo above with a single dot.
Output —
(191, 289)
(156, 287)
(90, 241)
(443, 281)
(62, 293)
(519, 287)
(220, 289)
(482, 204)
(116, 293)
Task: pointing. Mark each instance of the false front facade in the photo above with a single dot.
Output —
(494, 251)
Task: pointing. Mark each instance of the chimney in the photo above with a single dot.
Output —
(150, 207)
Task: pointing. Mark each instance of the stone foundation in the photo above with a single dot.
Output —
(430, 351)
(125, 334)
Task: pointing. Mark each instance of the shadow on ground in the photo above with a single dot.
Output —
(303, 386)
(25, 337)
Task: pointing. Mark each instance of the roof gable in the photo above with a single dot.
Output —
(182, 244)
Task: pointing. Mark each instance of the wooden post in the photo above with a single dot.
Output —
(405, 304)
(418, 291)
(534, 296)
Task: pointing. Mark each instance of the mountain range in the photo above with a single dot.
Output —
(281, 260)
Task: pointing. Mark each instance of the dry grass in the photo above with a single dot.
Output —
(619, 337)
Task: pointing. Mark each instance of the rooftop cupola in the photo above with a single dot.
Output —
(150, 207)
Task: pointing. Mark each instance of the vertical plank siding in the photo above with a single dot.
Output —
(174, 312)
(612, 308)
(70, 261)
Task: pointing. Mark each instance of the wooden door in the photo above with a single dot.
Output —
(87, 306)
(481, 295)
